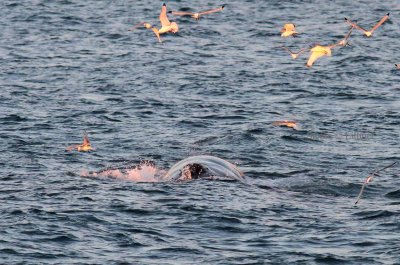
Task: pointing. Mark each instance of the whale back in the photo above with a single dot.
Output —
(212, 167)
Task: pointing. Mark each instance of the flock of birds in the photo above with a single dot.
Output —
(289, 30)
(317, 50)
(168, 26)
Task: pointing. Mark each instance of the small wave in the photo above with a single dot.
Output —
(229, 229)
(134, 211)
(226, 219)
(13, 118)
(183, 250)
(368, 215)
(86, 198)
(61, 239)
(329, 259)
(12, 5)
(298, 138)
(365, 244)
(393, 194)
(9, 251)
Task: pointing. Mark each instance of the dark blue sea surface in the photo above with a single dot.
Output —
(214, 88)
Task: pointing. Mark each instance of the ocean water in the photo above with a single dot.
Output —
(211, 89)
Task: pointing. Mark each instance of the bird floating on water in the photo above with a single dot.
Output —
(84, 147)
(319, 51)
(397, 66)
(289, 30)
(294, 55)
(368, 33)
(285, 123)
(197, 15)
(369, 179)
(166, 25)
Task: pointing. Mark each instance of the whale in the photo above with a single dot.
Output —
(203, 166)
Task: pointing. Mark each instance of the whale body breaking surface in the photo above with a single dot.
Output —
(191, 168)
(204, 166)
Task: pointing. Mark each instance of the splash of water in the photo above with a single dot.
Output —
(145, 171)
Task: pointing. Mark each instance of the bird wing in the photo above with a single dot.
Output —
(86, 139)
(332, 46)
(179, 13)
(212, 11)
(163, 16)
(137, 26)
(386, 17)
(72, 147)
(286, 49)
(277, 123)
(314, 56)
(157, 34)
(361, 192)
(302, 50)
(355, 25)
(379, 170)
(348, 34)
(370, 177)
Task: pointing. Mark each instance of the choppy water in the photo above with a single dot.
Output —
(214, 88)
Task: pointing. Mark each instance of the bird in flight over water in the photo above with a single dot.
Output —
(345, 40)
(369, 179)
(319, 51)
(368, 33)
(196, 15)
(166, 25)
(294, 55)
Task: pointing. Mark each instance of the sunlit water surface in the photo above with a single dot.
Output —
(212, 89)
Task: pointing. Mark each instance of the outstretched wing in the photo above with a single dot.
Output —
(302, 50)
(212, 10)
(379, 170)
(286, 49)
(137, 26)
(361, 192)
(157, 34)
(314, 56)
(277, 123)
(179, 13)
(386, 17)
(72, 147)
(348, 34)
(354, 24)
(163, 16)
(332, 46)
(369, 178)
(86, 139)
